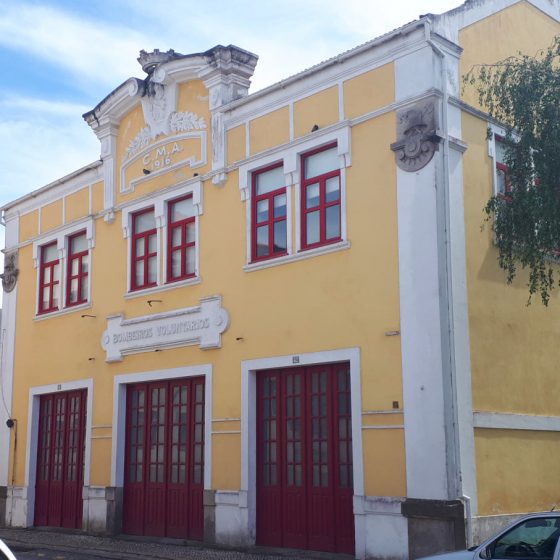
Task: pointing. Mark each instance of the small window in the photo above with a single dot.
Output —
(144, 250)
(78, 269)
(503, 185)
(49, 279)
(181, 239)
(269, 214)
(320, 198)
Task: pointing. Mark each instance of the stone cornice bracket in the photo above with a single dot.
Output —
(227, 73)
(417, 135)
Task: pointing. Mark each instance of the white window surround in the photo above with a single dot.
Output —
(494, 131)
(119, 415)
(61, 236)
(33, 435)
(159, 203)
(290, 158)
(249, 369)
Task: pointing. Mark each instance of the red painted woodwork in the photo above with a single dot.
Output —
(181, 241)
(77, 271)
(304, 459)
(49, 282)
(164, 461)
(326, 202)
(60, 460)
(143, 272)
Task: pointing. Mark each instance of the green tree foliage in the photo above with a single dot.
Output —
(523, 93)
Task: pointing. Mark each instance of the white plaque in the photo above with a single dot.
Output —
(201, 325)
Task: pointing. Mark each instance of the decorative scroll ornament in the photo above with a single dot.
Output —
(177, 122)
(417, 137)
(9, 277)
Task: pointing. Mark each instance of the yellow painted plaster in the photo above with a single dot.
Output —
(317, 304)
(383, 419)
(269, 130)
(77, 205)
(235, 141)
(514, 348)
(369, 91)
(51, 216)
(28, 226)
(384, 459)
(517, 471)
(519, 28)
(320, 109)
(97, 196)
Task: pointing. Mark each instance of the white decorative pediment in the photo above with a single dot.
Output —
(201, 325)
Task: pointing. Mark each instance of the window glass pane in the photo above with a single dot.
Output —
(191, 254)
(139, 273)
(191, 232)
(74, 268)
(176, 236)
(85, 264)
(501, 178)
(84, 287)
(50, 253)
(182, 209)
(74, 290)
(144, 222)
(500, 151)
(333, 222)
(78, 244)
(280, 206)
(176, 264)
(56, 272)
(321, 162)
(152, 243)
(56, 295)
(332, 189)
(312, 231)
(312, 196)
(270, 180)
(262, 211)
(280, 243)
(45, 298)
(152, 270)
(139, 247)
(262, 241)
(47, 275)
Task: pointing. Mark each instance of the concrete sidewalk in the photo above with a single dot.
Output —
(129, 548)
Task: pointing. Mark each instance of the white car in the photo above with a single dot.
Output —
(533, 537)
(5, 552)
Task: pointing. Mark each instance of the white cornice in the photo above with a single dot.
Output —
(76, 180)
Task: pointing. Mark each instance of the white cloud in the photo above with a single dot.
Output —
(91, 51)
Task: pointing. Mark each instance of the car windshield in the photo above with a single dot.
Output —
(534, 538)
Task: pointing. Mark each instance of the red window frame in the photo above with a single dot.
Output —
(323, 204)
(145, 237)
(269, 197)
(52, 284)
(80, 276)
(183, 246)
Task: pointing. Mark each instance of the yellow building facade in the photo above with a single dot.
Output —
(273, 318)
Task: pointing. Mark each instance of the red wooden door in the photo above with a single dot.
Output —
(164, 463)
(304, 458)
(60, 460)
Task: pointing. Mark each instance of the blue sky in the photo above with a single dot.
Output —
(59, 58)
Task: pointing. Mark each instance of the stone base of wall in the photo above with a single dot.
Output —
(3, 501)
(102, 514)
(434, 526)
